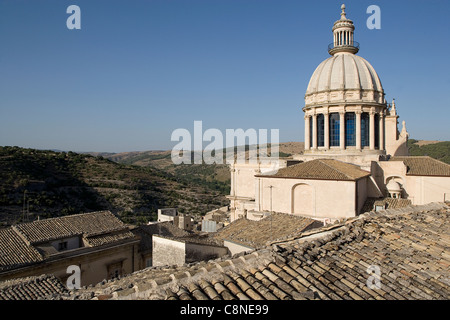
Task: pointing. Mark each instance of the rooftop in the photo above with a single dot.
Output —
(424, 166)
(408, 245)
(28, 243)
(321, 169)
(257, 234)
(32, 288)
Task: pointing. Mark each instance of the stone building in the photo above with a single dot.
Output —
(98, 243)
(146, 232)
(354, 151)
(183, 221)
(182, 250)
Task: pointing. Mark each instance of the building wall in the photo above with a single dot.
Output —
(168, 252)
(167, 214)
(419, 189)
(175, 252)
(199, 252)
(362, 186)
(72, 243)
(328, 198)
(235, 248)
(93, 263)
(426, 189)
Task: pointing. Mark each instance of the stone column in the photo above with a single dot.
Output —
(372, 130)
(326, 130)
(342, 129)
(358, 129)
(232, 181)
(314, 137)
(307, 137)
(381, 125)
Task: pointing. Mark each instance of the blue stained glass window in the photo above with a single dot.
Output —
(350, 129)
(365, 130)
(320, 130)
(377, 131)
(334, 129)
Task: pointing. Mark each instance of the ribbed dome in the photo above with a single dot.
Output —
(344, 71)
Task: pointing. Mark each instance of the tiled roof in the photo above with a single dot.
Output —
(14, 251)
(408, 245)
(389, 203)
(87, 224)
(257, 234)
(424, 166)
(27, 243)
(104, 239)
(321, 169)
(33, 288)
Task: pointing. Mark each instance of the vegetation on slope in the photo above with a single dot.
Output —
(48, 184)
(438, 150)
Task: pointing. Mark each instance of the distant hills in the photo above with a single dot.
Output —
(133, 185)
(39, 183)
(439, 150)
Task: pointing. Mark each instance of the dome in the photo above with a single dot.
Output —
(344, 71)
(393, 186)
(344, 78)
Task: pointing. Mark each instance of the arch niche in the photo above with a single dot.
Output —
(303, 199)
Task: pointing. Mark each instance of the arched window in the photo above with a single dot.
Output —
(365, 130)
(350, 133)
(377, 131)
(320, 130)
(334, 129)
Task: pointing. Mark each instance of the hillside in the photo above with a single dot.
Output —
(439, 150)
(211, 177)
(46, 184)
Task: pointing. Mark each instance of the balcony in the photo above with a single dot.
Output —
(353, 48)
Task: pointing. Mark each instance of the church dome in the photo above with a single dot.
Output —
(342, 72)
(345, 77)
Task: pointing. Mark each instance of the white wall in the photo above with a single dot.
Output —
(330, 198)
(168, 252)
(234, 247)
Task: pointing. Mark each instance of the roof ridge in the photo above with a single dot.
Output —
(66, 216)
(346, 175)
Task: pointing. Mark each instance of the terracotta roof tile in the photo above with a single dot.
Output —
(88, 224)
(277, 226)
(33, 288)
(321, 169)
(15, 251)
(410, 249)
(24, 244)
(424, 166)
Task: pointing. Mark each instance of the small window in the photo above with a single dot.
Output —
(62, 246)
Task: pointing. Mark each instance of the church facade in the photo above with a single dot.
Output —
(354, 152)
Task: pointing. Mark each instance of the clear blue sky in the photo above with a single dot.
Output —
(139, 69)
